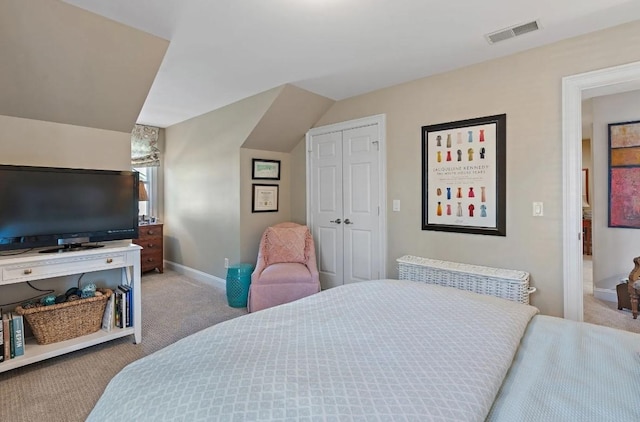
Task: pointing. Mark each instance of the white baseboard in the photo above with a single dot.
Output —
(196, 274)
(610, 295)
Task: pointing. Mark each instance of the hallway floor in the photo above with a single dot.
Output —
(602, 312)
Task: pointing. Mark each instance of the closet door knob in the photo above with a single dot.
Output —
(337, 221)
(347, 221)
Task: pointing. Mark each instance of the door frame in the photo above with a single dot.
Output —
(380, 120)
(575, 89)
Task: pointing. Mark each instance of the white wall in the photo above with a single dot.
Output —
(613, 248)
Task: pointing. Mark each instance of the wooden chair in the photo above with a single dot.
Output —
(634, 286)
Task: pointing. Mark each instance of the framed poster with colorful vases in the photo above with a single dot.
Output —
(624, 174)
(464, 176)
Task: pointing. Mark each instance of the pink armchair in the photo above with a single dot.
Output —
(286, 269)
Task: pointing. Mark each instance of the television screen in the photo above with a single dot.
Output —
(42, 206)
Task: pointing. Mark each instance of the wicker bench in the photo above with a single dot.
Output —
(507, 284)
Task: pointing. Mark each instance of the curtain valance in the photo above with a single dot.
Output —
(144, 146)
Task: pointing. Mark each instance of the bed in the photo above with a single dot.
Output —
(386, 350)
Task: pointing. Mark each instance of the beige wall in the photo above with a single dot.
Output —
(299, 183)
(527, 87)
(613, 248)
(202, 184)
(38, 143)
(253, 224)
(63, 64)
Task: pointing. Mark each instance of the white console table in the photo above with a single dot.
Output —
(37, 266)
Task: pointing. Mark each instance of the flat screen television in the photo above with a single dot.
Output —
(64, 207)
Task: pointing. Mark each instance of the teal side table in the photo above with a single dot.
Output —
(238, 281)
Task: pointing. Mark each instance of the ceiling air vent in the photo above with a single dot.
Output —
(513, 31)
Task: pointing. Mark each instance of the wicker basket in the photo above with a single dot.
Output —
(507, 284)
(64, 321)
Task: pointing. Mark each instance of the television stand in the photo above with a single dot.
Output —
(35, 266)
(72, 247)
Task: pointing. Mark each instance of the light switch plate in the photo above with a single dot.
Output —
(538, 209)
(396, 205)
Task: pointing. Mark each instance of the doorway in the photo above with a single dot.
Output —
(575, 89)
(346, 199)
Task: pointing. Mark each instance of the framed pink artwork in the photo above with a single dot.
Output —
(624, 174)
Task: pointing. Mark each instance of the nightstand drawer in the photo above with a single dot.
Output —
(150, 252)
(149, 244)
(151, 260)
(146, 232)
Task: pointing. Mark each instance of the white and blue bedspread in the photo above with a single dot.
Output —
(378, 350)
(572, 371)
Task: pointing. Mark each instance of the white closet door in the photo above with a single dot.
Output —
(326, 191)
(360, 203)
(344, 190)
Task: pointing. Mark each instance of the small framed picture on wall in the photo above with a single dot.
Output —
(265, 198)
(265, 169)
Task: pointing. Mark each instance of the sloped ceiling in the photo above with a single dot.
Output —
(290, 116)
(225, 50)
(63, 64)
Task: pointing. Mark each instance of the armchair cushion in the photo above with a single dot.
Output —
(285, 244)
(286, 272)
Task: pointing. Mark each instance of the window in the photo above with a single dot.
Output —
(148, 177)
(145, 159)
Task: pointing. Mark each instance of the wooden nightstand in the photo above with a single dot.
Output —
(150, 238)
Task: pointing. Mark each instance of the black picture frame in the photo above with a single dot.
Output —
(265, 198)
(464, 176)
(265, 169)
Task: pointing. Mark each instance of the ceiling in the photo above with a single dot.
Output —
(222, 51)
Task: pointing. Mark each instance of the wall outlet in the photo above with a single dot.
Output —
(226, 262)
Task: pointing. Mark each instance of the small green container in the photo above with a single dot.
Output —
(238, 281)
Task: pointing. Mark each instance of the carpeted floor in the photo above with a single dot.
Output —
(66, 388)
(602, 312)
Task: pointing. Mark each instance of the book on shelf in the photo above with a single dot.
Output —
(107, 318)
(131, 292)
(117, 303)
(7, 336)
(128, 302)
(1, 338)
(123, 307)
(18, 334)
(12, 337)
(130, 297)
